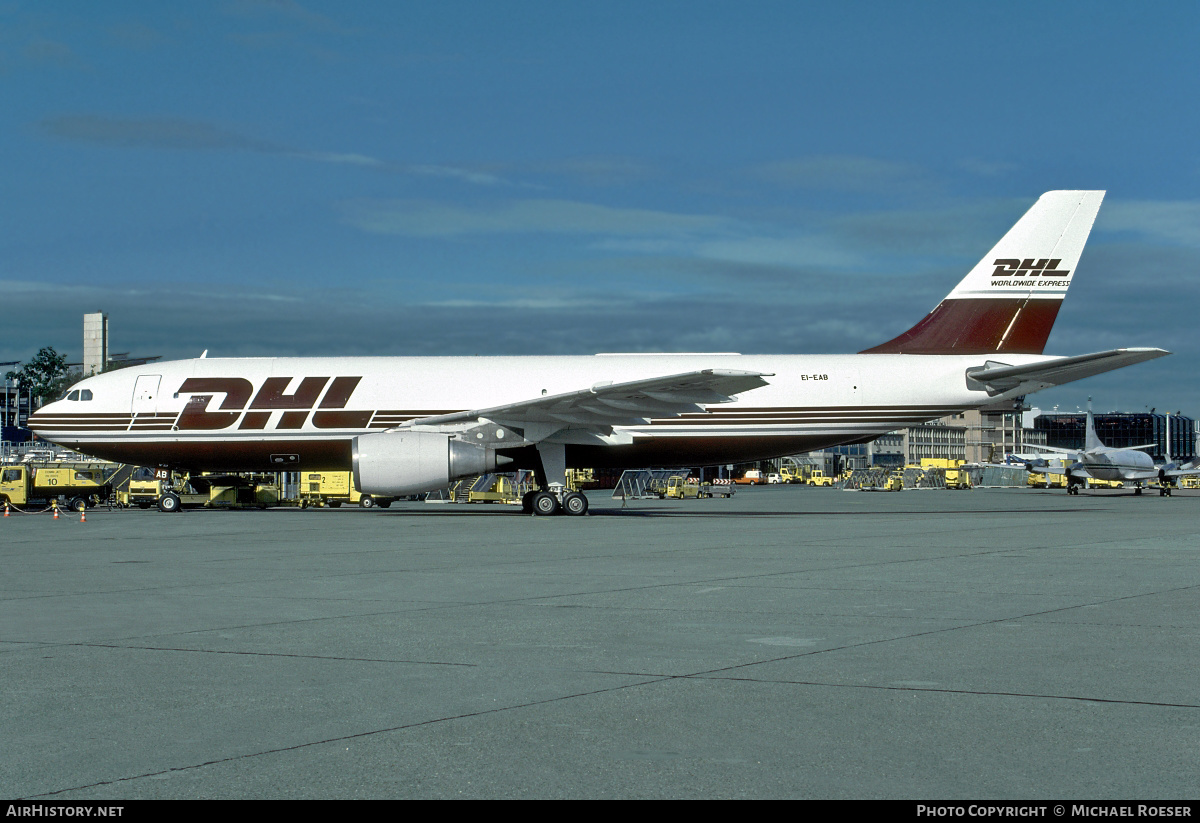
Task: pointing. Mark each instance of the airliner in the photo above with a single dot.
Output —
(405, 425)
(1100, 462)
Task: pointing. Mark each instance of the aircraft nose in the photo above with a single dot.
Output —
(41, 415)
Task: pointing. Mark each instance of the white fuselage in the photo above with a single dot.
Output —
(249, 414)
(1118, 464)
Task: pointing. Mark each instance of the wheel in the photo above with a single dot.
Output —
(367, 502)
(544, 504)
(335, 504)
(78, 504)
(527, 502)
(169, 502)
(383, 504)
(575, 504)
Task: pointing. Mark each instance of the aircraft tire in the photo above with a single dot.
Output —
(544, 504)
(575, 504)
(527, 502)
(169, 502)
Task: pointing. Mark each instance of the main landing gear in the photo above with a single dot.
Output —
(545, 503)
(556, 499)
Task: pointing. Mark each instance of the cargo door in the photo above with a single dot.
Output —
(145, 394)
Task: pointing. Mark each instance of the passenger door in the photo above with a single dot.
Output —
(145, 394)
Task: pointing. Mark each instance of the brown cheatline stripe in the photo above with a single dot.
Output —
(1016, 325)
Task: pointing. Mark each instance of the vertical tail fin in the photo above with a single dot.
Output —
(1009, 301)
(1091, 440)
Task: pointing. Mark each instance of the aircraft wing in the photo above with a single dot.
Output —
(607, 404)
(1057, 450)
(998, 378)
(1075, 470)
(1185, 470)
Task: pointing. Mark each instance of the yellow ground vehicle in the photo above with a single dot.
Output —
(579, 479)
(895, 481)
(680, 487)
(819, 478)
(145, 487)
(141, 493)
(258, 491)
(791, 474)
(956, 476)
(1189, 482)
(76, 485)
(149, 487)
(500, 488)
(333, 489)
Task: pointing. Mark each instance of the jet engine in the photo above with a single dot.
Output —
(407, 462)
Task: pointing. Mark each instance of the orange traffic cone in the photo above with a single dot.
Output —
(83, 515)
(54, 506)
(6, 508)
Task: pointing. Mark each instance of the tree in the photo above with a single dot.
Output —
(45, 376)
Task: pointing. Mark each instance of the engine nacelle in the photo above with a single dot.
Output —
(394, 464)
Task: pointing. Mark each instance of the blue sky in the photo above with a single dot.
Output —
(254, 177)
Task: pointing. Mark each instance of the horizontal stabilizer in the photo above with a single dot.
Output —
(1189, 469)
(998, 378)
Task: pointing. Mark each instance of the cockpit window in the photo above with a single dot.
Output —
(85, 394)
(73, 395)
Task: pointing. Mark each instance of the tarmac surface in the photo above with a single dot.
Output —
(790, 642)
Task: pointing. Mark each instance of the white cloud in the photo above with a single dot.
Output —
(424, 219)
(841, 173)
(789, 252)
(181, 134)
